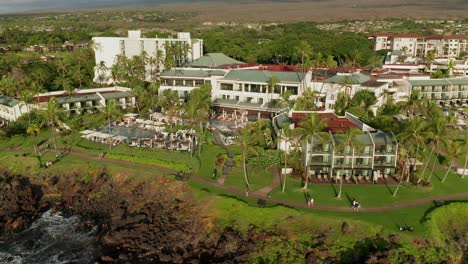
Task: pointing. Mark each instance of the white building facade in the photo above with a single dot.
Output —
(417, 45)
(107, 48)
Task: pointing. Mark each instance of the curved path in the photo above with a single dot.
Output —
(238, 192)
(257, 195)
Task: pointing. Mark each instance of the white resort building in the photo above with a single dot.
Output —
(107, 48)
(416, 45)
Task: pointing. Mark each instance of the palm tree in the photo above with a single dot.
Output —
(437, 136)
(454, 149)
(306, 102)
(414, 134)
(413, 103)
(354, 58)
(112, 111)
(34, 130)
(37, 88)
(403, 158)
(151, 61)
(272, 82)
(245, 140)
(309, 130)
(153, 90)
(304, 51)
(53, 116)
(451, 67)
(192, 114)
(429, 59)
(288, 136)
(347, 140)
(101, 69)
(375, 62)
(159, 61)
(169, 101)
(27, 98)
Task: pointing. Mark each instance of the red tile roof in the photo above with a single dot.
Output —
(446, 37)
(335, 124)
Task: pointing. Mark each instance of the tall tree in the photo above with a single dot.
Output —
(169, 101)
(245, 140)
(310, 130)
(304, 51)
(272, 82)
(347, 141)
(101, 70)
(288, 136)
(403, 161)
(453, 149)
(112, 111)
(414, 134)
(437, 136)
(34, 130)
(53, 115)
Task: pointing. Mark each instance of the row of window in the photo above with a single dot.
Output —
(364, 162)
(258, 88)
(367, 150)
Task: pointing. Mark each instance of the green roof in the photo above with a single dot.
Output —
(355, 78)
(116, 95)
(191, 73)
(76, 98)
(458, 81)
(428, 82)
(211, 60)
(263, 76)
(4, 100)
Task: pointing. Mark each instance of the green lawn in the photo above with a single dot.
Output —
(258, 177)
(24, 141)
(242, 211)
(207, 162)
(371, 195)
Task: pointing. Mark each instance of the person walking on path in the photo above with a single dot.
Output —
(356, 205)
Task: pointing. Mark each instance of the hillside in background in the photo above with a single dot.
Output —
(267, 11)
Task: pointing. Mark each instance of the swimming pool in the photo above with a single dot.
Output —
(131, 132)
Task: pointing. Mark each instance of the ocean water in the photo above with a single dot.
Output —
(9, 6)
(52, 239)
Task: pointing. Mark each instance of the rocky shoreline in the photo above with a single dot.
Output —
(159, 221)
(136, 223)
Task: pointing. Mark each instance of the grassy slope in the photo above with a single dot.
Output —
(371, 195)
(241, 211)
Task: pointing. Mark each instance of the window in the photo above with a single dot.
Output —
(277, 89)
(227, 86)
(292, 89)
(255, 88)
(179, 82)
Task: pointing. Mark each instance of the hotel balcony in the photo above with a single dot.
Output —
(384, 162)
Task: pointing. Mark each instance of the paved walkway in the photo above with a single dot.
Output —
(260, 195)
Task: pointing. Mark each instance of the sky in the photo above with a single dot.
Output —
(9, 6)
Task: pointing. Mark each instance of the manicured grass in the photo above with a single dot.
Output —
(25, 141)
(258, 177)
(207, 161)
(242, 211)
(371, 195)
